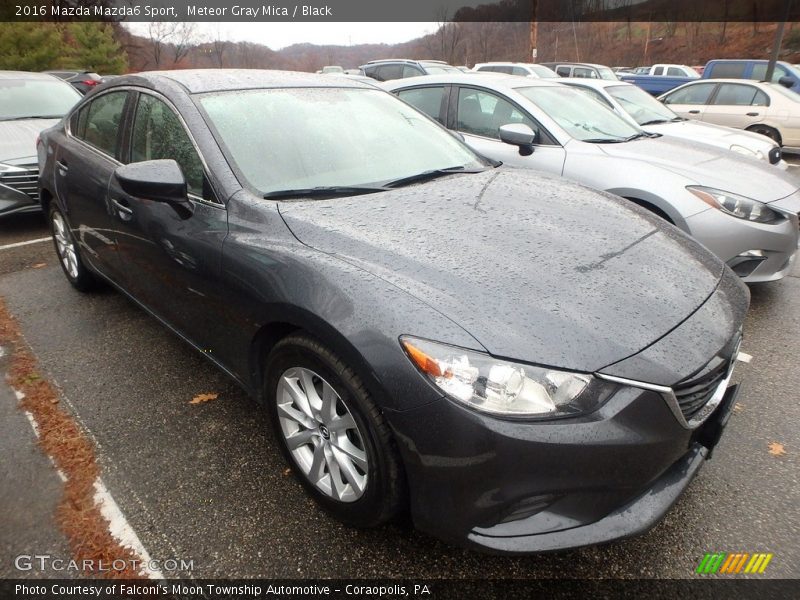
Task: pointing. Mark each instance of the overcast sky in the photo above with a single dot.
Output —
(280, 35)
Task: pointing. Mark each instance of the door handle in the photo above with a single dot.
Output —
(125, 211)
(62, 166)
(694, 112)
(753, 114)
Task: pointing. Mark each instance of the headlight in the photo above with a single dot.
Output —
(505, 388)
(736, 205)
(747, 151)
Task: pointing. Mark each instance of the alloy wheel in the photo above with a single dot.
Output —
(322, 435)
(65, 246)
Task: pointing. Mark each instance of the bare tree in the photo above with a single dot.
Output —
(184, 37)
(159, 33)
(219, 46)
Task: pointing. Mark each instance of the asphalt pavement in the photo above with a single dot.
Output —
(205, 482)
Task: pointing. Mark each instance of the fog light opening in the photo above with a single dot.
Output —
(745, 263)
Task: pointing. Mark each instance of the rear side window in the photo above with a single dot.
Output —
(158, 134)
(733, 70)
(732, 94)
(691, 94)
(519, 71)
(98, 123)
(387, 72)
(428, 100)
(675, 72)
(658, 71)
(563, 71)
(584, 73)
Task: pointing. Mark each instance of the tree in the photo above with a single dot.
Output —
(29, 46)
(95, 49)
(184, 38)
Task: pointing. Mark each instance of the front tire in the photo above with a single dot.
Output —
(332, 434)
(68, 255)
(770, 132)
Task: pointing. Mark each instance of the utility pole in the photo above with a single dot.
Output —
(776, 47)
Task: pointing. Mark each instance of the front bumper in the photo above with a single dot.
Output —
(757, 252)
(520, 487)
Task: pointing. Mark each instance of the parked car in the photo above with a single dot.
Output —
(366, 291)
(385, 70)
(83, 81)
(744, 210)
(642, 110)
(588, 70)
(512, 68)
(656, 84)
(29, 102)
(766, 108)
(786, 74)
(331, 69)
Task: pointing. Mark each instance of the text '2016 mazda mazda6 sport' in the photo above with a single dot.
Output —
(521, 362)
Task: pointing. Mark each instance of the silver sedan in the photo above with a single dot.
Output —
(744, 210)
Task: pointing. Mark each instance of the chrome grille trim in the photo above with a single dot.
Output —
(26, 181)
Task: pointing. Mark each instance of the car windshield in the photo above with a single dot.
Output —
(606, 73)
(640, 105)
(35, 98)
(305, 138)
(542, 71)
(581, 116)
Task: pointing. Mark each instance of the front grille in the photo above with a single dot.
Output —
(693, 393)
(775, 155)
(26, 181)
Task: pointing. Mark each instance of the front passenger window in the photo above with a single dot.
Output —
(482, 113)
(428, 100)
(159, 134)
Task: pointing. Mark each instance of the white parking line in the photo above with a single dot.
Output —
(18, 244)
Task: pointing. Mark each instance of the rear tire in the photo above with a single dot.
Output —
(332, 434)
(768, 131)
(68, 254)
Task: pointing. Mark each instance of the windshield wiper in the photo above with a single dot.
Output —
(653, 122)
(323, 192)
(605, 140)
(428, 175)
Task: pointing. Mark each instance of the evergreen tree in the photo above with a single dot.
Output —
(94, 48)
(30, 46)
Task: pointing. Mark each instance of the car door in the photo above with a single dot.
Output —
(478, 115)
(737, 105)
(171, 254)
(85, 162)
(690, 100)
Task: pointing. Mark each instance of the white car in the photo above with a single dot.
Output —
(641, 109)
(743, 210)
(515, 68)
(766, 108)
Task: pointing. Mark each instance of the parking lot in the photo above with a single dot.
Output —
(205, 482)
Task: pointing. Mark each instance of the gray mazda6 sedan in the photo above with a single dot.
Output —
(521, 363)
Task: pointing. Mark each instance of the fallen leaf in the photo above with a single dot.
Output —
(200, 398)
(286, 472)
(38, 265)
(738, 407)
(776, 449)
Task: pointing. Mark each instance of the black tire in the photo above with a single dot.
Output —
(384, 495)
(768, 131)
(81, 278)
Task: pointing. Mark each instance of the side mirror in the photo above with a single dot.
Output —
(519, 134)
(786, 81)
(458, 135)
(159, 180)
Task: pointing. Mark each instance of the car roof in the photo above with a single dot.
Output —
(484, 79)
(198, 81)
(27, 75)
(576, 64)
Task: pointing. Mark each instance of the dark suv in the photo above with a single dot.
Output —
(83, 81)
(400, 68)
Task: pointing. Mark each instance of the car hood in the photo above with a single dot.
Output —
(703, 164)
(713, 134)
(18, 138)
(535, 268)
